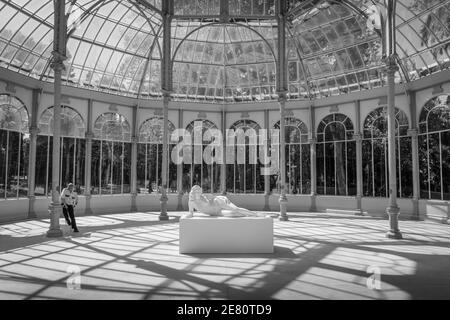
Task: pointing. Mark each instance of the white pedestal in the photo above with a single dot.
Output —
(226, 235)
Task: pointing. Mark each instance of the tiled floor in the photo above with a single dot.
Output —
(134, 256)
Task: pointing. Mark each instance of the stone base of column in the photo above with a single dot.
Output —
(283, 208)
(313, 207)
(266, 202)
(55, 212)
(416, 213)
(358, 211)
(133, 202)
(394, 232)
(180, 202)
(31, 212)
(88, 209)
(163, 215)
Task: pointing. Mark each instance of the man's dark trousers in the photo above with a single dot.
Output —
(70, 216)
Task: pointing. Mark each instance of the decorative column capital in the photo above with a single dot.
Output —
(358, 137)
(282, 96)
(312, 140)
(89, 135)
(413, 133)
(391, 64)
(134, 139)
(57, 63)
(166, 93)
(34, 130)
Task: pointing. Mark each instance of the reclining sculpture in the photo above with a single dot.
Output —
(219, 206)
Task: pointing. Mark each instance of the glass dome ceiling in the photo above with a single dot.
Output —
(115, 46)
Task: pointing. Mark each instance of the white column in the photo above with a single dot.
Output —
(180, 168)
(267, 190)
(57, 64)
(223, 166)
(283, 199)
(163, 215)
(312, 145)
(32, 151)
(392, 210)
(359, 164)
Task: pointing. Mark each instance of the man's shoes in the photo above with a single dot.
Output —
(76, 230)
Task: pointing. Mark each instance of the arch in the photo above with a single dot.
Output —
(296, 130)
(434, 146)
(112, 126)
(435, 114)
(151, 130)
(245, 125)
(206, 125)
(72, 123)
(13, 114)
(223, 24)
(335, 127)
(375, 124)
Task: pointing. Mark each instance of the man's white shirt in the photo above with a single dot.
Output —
(71, 198)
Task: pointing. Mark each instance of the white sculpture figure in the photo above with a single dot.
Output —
(219, 206)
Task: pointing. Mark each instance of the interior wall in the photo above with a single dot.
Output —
(17, 209)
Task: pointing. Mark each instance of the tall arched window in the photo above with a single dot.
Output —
(244, 176)
(434, 149)
(149, 159)
(205, 175)
(111, 155)
(298, 159)
(72, 151)
(14, 147)
(375, 155)
(336, 156)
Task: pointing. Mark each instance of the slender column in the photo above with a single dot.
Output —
(267, 191)
(223, 166)
(180, 168)
(134, 145)
(32, 151)
(59, 50)
(413, 133)
(283, 199)
(359, 164)
(282, 83)
(88, 155)
(392, 210)
(312, 145)
(163, 215)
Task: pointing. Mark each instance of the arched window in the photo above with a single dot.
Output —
(244, 176)
(198, 172)
(149, 161)
(298, 159)
(336, 156)
(14, 147)
(72, 124)
(111, 155)
(375, 155)
(112, 127)
(72, 158)
(434, 148)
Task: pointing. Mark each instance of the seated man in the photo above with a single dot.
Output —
(216, 206)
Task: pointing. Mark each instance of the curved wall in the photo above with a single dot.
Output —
(356, 106)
